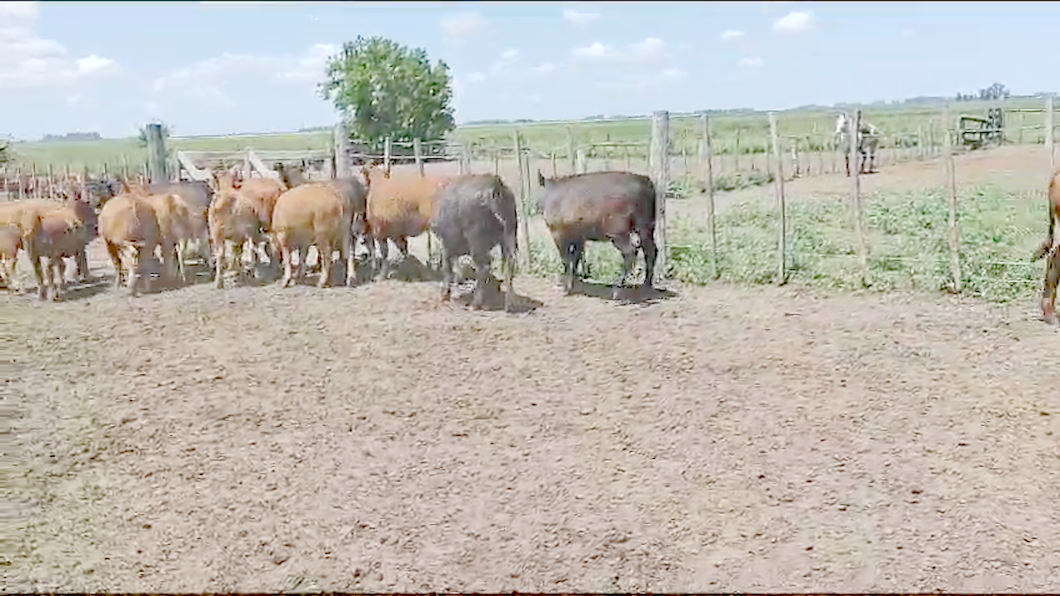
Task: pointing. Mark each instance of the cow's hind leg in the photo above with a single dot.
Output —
(647, 246)
(115, 258)
(624, 244)
(219, 263)
(1052, 279)
(325, 254)
(447, 272)
(58, 278)
(382, 269)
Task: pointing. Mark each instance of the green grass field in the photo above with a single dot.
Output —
(908, 246)
(734, 132)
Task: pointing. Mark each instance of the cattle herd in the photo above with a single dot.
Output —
(277, 220)
(280, 219)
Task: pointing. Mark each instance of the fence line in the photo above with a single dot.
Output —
(678, 172)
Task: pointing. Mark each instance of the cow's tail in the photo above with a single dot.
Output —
(502, 203)
(1054, 207)
(1052, 240)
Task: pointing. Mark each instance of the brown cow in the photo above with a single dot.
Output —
(50, 235)
(11, 213)
(349, 187)
(313, 215)
(601, 206)
(10, 244)
(177, 225)
(262, 194)
(398, 209)
(1051, 246)
(127, 221)
(233, 219)
(197, 196)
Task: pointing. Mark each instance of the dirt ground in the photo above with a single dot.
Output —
(374, 439)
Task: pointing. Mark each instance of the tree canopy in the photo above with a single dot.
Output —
(383, 88)
(5, 153)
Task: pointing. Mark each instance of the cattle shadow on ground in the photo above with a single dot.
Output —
(493, 299)
(410, 269)
(628, 295)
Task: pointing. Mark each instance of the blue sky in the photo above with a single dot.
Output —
(224, 67)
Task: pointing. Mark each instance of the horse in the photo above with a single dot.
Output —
(868, 142)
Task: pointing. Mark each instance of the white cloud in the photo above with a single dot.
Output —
(464, 24)
(533, 98)
(732, 34)
(794, 22)
(651, 49)
(207, 80)
(476, 77)
(580, 18)
(544, 68)
(750, 62)
(504, 66)
(74, 99)
(673, 74)
(28, 61)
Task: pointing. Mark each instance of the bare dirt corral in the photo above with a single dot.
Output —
(373, 439)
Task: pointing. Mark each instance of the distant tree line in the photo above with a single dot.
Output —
(995, 91)
(72, 136)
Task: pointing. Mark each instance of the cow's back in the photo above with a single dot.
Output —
(128, 219)
(598, 196)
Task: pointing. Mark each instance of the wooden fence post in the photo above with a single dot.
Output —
(524, 254)
(782, 265)
(341, 151)
(951, 185)
(156, 154)
(706, 156)
(659, 166)
(581, 163)
(461, 159)
(34, 192)
(853, 137)
(387, 152)
(570, 151)
(1049, 127)
(417, 153)
(21, 186)
(124, 167)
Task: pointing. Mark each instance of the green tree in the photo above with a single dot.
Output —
(383, 89)
(5, 153)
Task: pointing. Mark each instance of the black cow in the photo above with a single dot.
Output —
(472, 214)
(601, 206)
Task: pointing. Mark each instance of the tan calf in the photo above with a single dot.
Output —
(1051, 247)
(398, 208)
(50, 235)
(313, 215)
(233, 219)
(129, 222)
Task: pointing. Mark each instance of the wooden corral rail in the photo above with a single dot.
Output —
(976, 132)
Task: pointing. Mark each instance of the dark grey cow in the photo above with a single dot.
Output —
(472, 214)
(601, 206)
